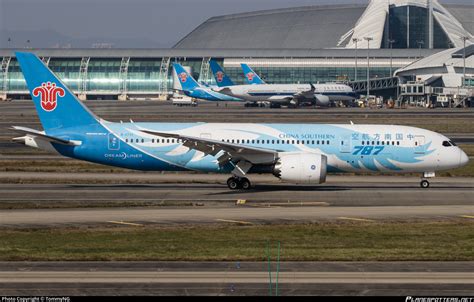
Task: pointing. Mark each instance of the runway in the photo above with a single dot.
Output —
(240, 215)
(337, 191)
(235, 278)
(178, 199)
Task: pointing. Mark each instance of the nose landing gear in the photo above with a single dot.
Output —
(424, 181)
(235, 183)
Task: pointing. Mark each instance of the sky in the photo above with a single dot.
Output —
(122, 23)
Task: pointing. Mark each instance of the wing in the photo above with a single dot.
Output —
(306, 95)
(242, 157)
(42, 135)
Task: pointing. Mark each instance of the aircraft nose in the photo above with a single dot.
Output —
(463, 158)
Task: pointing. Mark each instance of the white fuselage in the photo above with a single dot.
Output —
(284, 92)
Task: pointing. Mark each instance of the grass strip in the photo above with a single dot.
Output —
(448, 240)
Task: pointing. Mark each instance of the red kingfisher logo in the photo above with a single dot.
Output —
(249, 76)
(219, 76)
(183, 77)
(49, 93)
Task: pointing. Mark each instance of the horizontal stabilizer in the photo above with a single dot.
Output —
(41, 134)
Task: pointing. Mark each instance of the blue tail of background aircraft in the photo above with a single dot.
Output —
(185, 79)
(222, 79)
(251, 76)
(56, 105)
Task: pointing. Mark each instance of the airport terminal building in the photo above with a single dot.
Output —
(315, 44)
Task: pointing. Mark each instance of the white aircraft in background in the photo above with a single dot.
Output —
(292, 95)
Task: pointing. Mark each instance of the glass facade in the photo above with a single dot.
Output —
(440, 39)
(289, 75)
(143, 75)
(104, 76)
(68, 70)
(16, 81)
(409, 27)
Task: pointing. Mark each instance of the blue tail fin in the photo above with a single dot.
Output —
(185, 79)
(56, 105)
(251, 76)
(222, 79)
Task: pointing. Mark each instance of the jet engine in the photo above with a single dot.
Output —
(322, 100)
(301, 167)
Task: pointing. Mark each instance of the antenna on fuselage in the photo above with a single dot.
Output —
(351, 123)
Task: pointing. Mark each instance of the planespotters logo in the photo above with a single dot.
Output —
(49, 93)
(249, 76)
(219, 76)
(183, 77)
(438, 299)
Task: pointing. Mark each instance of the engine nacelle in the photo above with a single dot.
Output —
(322, 100)
(301, 167)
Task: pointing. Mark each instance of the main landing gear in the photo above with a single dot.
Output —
(236, 183)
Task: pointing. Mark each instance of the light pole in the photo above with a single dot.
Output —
(391, 42)
(355, 40)
(368, 62)
(419, 45)
(464, 60)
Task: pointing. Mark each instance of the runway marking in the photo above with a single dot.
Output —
(126, 223)
(467, 216)
(263, 206)
(290, 204)
(356, 219)
(234, 221)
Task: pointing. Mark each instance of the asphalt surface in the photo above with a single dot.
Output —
(176, 199)
(239, 215)
(235, 278)
(337, 191)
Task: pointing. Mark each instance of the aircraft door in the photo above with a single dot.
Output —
(113, 142)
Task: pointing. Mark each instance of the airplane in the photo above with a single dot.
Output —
(222, 79)
(251, 76)
(192, 88)
(294, 153)
(291, 94)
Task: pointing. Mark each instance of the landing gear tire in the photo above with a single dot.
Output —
(233, 183)
(424, 184)
(245, 184)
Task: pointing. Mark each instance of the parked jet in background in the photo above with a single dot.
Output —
(291, 94)
(251, 76)
(222, 79)
(296, 153)
(192, 88)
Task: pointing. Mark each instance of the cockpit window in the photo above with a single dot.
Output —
(452, 143)
(446, 144)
